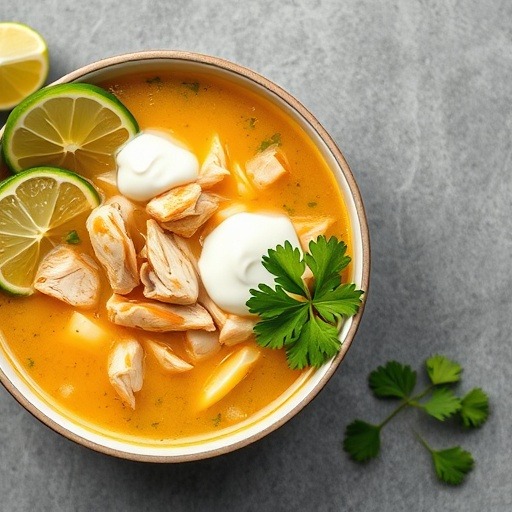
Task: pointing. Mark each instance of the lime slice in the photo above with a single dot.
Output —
(38, 207)
(23, 63)
(74, 126)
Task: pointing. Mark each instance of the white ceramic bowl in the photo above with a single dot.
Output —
(303, 390)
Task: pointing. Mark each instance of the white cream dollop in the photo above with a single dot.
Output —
(230, 263)
(152, 163)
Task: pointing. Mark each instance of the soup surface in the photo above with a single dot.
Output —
(71, 373)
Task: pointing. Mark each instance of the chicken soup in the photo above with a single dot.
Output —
(138, 323)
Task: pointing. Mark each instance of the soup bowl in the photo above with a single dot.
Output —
(304, 388)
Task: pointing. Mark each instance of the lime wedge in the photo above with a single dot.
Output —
(38, 207)
(73, 126)
(23, 63)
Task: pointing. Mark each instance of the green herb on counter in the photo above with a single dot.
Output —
(395, 380)
(300, 317)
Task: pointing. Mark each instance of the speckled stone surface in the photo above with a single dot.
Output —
(418, 96)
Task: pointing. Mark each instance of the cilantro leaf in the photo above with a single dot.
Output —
(474, 409)
(317, 343)
(326, 259)
(392, 381)
(334, 304)
(269, 303)
(442, 404)
(452, 464)
(442, 370)
(286, 264)
(281, 330)
(305, 322)
(362, 440)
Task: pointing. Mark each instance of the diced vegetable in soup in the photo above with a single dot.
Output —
(141, 345)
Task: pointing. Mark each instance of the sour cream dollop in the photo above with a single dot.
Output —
(230, 263)
(152, 163)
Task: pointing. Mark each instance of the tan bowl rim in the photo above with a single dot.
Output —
(296, 105)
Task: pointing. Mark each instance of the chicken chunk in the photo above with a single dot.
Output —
(205, 207)
(69, 276)
(266, 167)
(214, 167)
(236, 329)
(175, 204)
(310, 228)
(113, 247)
(126, 369)
(168, 276)
(152, 316)
(167, 359)
(201, 344)
(218, 315)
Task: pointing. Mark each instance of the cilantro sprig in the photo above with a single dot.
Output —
(304, 317)
(398, 381)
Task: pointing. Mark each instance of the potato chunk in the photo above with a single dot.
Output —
(84, 331)
(228, 374)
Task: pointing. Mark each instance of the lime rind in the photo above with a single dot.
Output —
(75, 92)
(64, 194)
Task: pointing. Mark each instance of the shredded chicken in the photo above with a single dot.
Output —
(168, 276)
(126, 369)
(166, 358)
(205, 207)
(113, 247)
(69, 276)
(218, 315)
(214, 167)
(310, 228)
(125, 207)
(175, 204)
(152, 316)
(236, 329)
(266, 167)
(201, 344)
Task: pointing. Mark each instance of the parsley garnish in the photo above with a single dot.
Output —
(304, 319)
(274, 139)
(193, 86)
(395, 380)
(72, 238)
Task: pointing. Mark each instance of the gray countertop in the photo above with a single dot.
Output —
(418, 95)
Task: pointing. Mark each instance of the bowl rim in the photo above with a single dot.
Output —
(295, 105)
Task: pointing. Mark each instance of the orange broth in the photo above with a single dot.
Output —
(73, 376)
